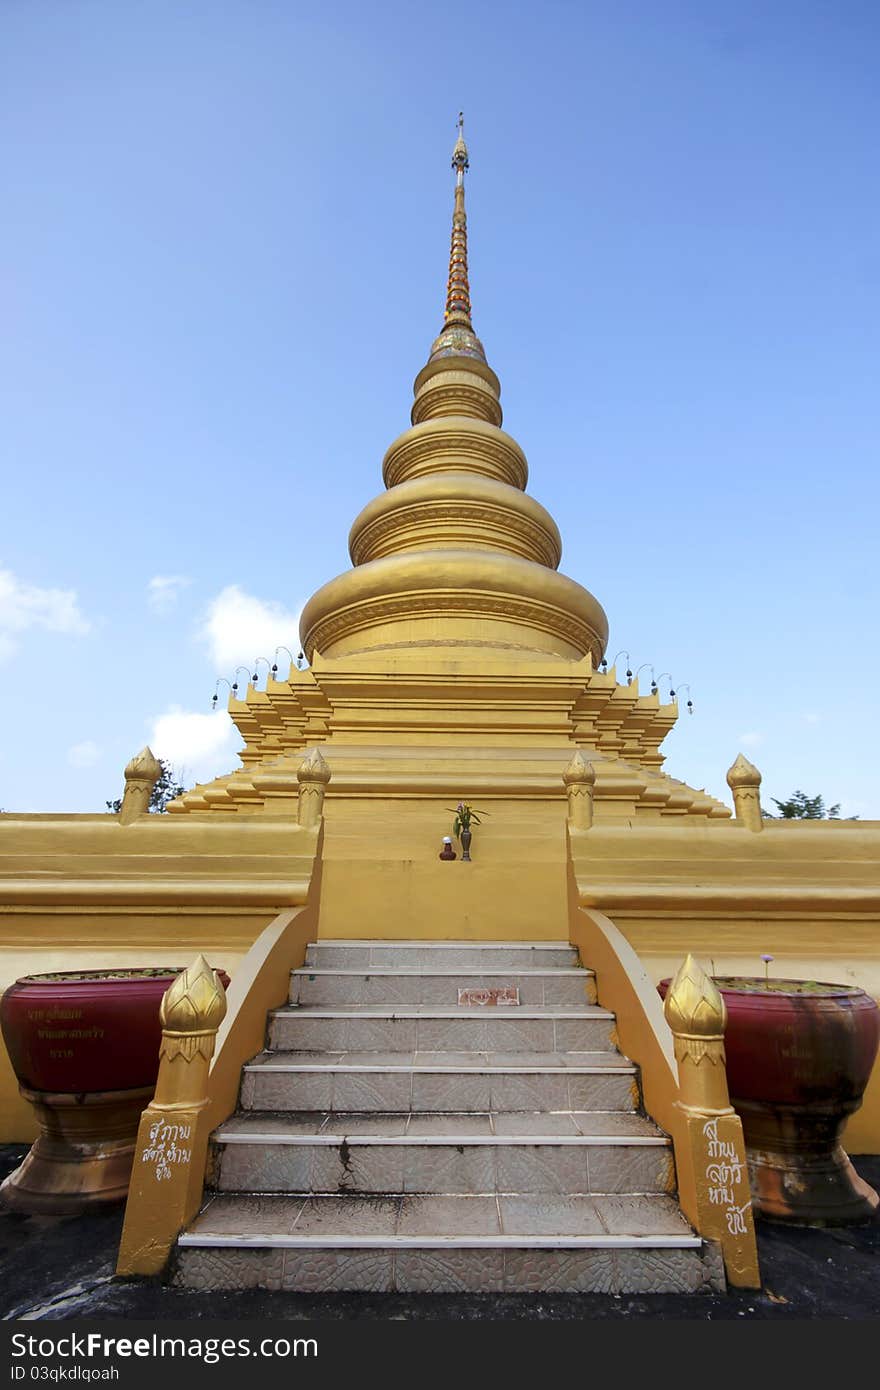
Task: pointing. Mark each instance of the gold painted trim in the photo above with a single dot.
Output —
(455, 509)
(220, 893)
(455, 584)
(459, 444)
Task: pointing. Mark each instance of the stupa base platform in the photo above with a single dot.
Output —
(394, 1137)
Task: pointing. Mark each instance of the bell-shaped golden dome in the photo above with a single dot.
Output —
(454, 554)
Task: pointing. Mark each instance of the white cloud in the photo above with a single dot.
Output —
(164, 590)
(240, 627)
(753, 739)
(84, 754)
(198, 746)
(25, 606)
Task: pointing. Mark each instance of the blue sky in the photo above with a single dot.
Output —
(222, 262)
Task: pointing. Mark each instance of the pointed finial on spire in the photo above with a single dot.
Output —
(460, 160)
(457, 338)
(458, 294)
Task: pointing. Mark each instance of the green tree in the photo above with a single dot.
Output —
(799, 806)
(166, 789)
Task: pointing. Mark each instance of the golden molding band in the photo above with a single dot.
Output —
(454, 604)
(446, 585)
(455, 443)
(146, 892)
(455, 509)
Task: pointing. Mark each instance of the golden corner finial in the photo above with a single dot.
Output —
(580, 769)
(142, 772)
(313, 768)
(744, 781)
(195, 1001)
(693, 1004)
(144, 766)
(742, 773)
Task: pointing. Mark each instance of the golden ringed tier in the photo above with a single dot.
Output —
(458, 510)
(457, 386)
(448, 598)
(457, 443)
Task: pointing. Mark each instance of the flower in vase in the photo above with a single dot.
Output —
(465, 816)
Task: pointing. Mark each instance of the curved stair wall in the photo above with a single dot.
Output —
(158, 1210)
(643, 1034)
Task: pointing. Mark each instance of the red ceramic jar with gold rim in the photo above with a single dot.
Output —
(84, 1046)
(77, 1031)
(799, 1055)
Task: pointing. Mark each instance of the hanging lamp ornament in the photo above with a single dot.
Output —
(690, 703)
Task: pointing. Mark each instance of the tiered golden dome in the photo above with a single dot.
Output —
(454, 554)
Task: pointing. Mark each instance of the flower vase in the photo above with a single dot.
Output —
(465, 838)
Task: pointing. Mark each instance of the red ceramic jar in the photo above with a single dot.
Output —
(797, 1042)
(799, 1055)
(84, 1031)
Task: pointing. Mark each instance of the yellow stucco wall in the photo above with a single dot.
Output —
(806, 893)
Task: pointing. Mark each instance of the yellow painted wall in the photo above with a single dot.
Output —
(807, 893)
(383, 877)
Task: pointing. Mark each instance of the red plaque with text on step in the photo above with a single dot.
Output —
(504, 996)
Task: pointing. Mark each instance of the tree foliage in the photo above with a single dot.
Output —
(799, 806)
(167, 788)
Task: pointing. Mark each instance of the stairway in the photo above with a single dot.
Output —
(391, 1138)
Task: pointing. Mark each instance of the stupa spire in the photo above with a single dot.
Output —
(454, 555)
(457, 338)
(458, 294)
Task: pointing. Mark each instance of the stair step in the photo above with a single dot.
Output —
(390, 1139)
(313, 984)
(439, 1081)
(351, 1220)
(464, 955)
(399, 985)
(455, 1127)
(430, 1027)
(573, 1153)
(441, 1061)
(520, 1268)
(417, 1243)
(443, 1011)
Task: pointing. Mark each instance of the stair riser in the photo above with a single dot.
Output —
(476, 1034)
(440, 957)
(576, 988)
(389, 1270)
(443, 1168)
(425, 1092)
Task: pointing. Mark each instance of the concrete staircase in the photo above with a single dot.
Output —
(393, 1139)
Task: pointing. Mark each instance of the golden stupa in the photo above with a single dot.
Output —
(452, 662)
